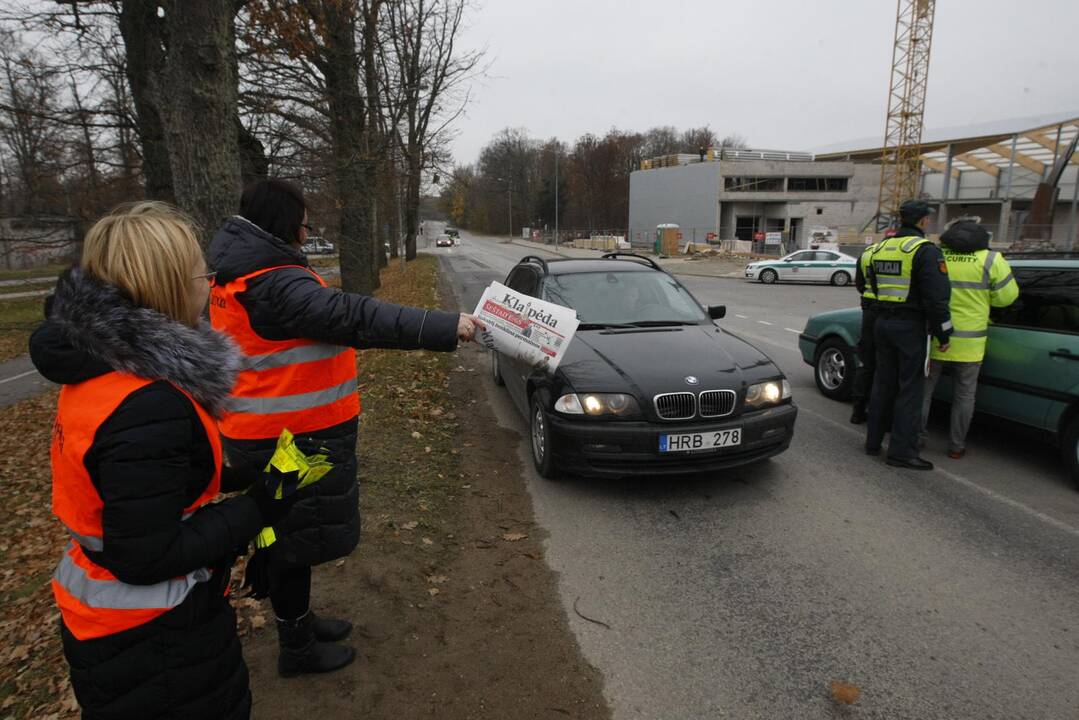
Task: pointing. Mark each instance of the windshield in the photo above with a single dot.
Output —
(624, 298)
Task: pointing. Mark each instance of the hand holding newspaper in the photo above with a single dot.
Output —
(525, 328)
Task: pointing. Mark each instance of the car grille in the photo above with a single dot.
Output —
(676, 406)
(717, 403)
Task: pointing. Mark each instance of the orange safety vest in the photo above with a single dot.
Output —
(93, 603)
(298, 384)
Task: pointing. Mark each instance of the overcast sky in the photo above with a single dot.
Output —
(786, 74)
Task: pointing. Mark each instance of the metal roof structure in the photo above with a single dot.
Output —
(1030, 142)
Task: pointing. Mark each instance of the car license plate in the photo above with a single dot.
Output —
(711, 440)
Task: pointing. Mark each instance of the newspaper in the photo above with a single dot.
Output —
(525, 328)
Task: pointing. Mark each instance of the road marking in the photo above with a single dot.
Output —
(764, 322)
(793, 330)
(992, 494)
(16, 377)
(741, 316)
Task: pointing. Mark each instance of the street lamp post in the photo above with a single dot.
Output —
(556, 150)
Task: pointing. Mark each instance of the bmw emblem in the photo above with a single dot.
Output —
(691, 380)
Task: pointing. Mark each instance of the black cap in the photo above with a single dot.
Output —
(966, 236)
(911, 211)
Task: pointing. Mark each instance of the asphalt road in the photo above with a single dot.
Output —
(949, 594)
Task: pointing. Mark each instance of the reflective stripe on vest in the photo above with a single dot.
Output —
(299, 384)
(970, 277)
(893, 265)
(93, 603)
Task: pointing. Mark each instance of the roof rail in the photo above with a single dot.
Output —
(1043, 254)
(536, 259)
(645, 258)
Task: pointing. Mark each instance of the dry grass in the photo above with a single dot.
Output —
(18, 318)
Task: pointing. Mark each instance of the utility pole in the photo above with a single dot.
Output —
(509, 196)
(557, 151)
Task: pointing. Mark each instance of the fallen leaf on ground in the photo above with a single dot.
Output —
(437, 579)
(433, 591)
(410, 525)
(514, 537)
(428, 541)
(845, 693)
(416, 434)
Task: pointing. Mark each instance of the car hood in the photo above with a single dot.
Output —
(658, 360)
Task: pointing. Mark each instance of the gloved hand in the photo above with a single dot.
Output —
(262, 492)
(257, 575)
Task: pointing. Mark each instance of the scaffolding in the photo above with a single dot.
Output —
(901, 152)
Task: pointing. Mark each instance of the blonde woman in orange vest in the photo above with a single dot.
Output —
(147, 628)
(298, 338)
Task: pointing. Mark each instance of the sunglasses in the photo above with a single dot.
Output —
(205, 276)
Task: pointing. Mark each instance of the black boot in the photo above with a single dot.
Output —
(858, 415)
(301, 653)
(329, 629)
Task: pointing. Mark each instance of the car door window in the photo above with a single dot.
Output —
(1048, 300)
(524, 280)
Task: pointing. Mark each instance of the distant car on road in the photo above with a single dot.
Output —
(650, 384)
(1030, 374)
(452, 232)
(805, 266)
(444, 241)
(317, 246)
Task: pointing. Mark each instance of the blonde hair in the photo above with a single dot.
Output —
(150, 251)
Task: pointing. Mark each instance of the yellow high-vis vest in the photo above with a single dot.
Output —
(863, 262)
(893, 266)
(979, 280)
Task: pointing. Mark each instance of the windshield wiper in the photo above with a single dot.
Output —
(604, 326)
(662, 323)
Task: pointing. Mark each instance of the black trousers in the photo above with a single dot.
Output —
(867, 354)
(897, 385)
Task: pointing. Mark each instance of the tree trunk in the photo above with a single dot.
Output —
(395, 208)
(347, 127)
(144, 41)
(412, 205)
(371, 136)
(199, 94)
(253, 163)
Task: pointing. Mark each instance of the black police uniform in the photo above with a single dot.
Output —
(900, 336)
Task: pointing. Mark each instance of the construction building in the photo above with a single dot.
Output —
(991, 170)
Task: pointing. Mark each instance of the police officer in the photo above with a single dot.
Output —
(867, 350)
(980, 278)
(910, 281)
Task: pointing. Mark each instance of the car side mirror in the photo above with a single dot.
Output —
(717, 312)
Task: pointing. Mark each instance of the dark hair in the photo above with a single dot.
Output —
(276, 206)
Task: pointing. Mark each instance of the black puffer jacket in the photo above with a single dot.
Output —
(324, 522)
(149, 460)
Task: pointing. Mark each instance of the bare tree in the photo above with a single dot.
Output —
(29, 94)
(425, 76)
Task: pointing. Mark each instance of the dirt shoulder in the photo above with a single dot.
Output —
(456, 611)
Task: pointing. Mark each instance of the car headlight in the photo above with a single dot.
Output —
(597, 404)
(768, 393)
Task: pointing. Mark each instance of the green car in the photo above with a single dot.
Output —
(1030, 374)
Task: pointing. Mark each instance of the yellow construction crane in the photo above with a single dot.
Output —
(901, 161)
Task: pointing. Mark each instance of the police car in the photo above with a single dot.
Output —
(826, 266)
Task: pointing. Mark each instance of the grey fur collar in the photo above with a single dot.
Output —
(99, 319)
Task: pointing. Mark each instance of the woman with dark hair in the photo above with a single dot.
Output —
(299, 338)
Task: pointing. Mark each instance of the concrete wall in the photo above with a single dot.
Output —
(684, 195)
(687, 196)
